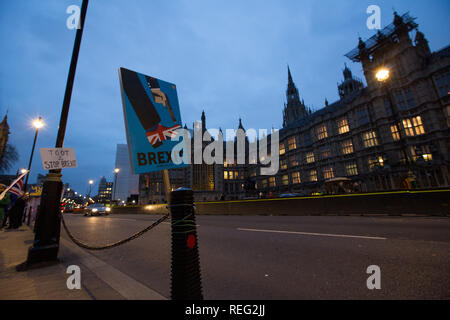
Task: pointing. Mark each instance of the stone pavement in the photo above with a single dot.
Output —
(49, 282)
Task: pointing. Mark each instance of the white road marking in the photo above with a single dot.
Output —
(313, 234)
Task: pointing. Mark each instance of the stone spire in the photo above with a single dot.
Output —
(292, 91)
(347, 72)
(294, 109)
(398, 21)
(203, 121)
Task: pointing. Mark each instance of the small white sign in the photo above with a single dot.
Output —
(58, 158)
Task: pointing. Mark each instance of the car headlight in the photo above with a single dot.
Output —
(94, 210)
(108, 209)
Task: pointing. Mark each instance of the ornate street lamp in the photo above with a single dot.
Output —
(116, 171)
(383, 75)
(38, 123)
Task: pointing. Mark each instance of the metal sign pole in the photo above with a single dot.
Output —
(47, 225)
(167, 185)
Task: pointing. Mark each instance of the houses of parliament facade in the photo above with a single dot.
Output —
(389, 135)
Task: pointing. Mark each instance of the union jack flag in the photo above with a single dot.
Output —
(16, 189)
(161, 134)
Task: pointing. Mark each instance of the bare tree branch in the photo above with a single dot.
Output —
(10, 156)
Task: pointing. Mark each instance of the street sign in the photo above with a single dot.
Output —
(58, 158)
(152, 116)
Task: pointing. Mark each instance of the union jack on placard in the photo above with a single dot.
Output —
(162, 133)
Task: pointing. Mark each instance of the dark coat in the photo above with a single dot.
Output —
(16, 212)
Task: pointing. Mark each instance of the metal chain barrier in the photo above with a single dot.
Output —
(115, 244)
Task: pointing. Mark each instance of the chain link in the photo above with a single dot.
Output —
(115, 244)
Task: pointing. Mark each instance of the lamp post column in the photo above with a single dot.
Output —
(37, 124)
(383, 77)
(46, 242)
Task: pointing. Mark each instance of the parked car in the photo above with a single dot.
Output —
(97, 209)
(290, 195)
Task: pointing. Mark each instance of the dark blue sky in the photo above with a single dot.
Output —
(226, 57)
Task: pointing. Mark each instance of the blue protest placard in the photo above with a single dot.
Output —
(152, 116)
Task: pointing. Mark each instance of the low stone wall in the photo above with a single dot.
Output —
(433, 203)
(150, 209)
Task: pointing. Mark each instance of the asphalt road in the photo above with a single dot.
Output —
(281, 257)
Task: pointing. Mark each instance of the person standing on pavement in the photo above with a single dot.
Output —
(21, 212)
(4, 203)
(15, 213)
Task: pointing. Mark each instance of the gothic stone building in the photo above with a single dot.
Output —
(380, 136)
(388, 135)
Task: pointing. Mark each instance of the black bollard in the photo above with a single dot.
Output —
(185, 273)
(47, 224)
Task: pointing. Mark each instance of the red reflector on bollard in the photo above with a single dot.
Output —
(191, 241)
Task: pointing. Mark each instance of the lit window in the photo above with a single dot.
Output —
(285, 179)
(418, 125)
(310, 157)
(321, 132)
(427, 157)
(407, 125)
(296, 177)
(230, 175)
(370, 139)
(225, 175)
(283, 164)
(313, 175)
(351, 168)
(395, 133)
(376, 162)
(421, 152)
(272, 182)
(291, 143)
(413, 126)
(282, 149)
(328, 173)
(347, 147)
(343, 126)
